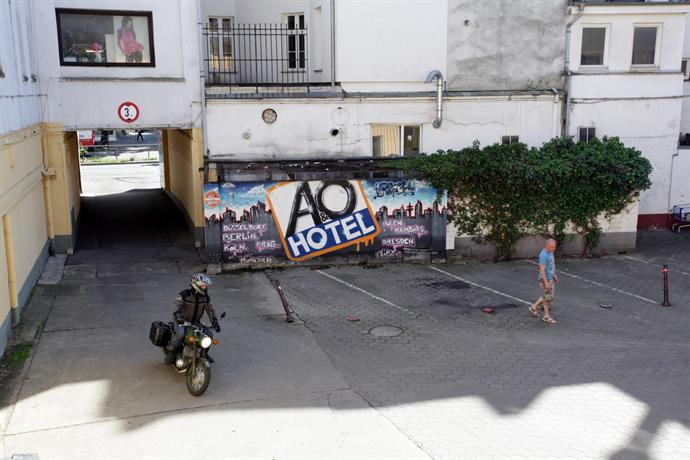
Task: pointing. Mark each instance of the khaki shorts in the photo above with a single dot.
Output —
(548, 295)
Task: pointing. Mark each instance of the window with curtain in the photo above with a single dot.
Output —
(395, 140)
(644, 45)
(593, 46)
(220, 44)
(385, 140)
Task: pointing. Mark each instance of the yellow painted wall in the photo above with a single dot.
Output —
(4, 284)
(184, 158)
(73, 172)
(29, 234)
(61, 158)
(23, 229)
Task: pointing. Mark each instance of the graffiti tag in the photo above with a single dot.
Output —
(260, 228)
(389, 253)
(266, 245)
(399, 242)
(256, 259)
(240, 236)
(395, 188)
(235, 248)
(400, 228)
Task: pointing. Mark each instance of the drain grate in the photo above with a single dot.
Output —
(385, 331)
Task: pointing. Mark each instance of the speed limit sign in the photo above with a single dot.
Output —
(128, 112)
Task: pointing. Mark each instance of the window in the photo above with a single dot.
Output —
(685, 69)
(586, 134)
(296, 45)
(593, 46)
(386, 140)
(317, 41)
(644, 45)
(220, 44)
(507, 140)
(105, 38)
(21, 42)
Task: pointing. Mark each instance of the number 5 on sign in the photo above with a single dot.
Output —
(128, 112)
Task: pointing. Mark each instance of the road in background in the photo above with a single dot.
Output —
(118, 178)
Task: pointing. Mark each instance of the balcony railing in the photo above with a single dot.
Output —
(256, 54)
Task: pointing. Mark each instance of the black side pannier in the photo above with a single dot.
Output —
(160, 333)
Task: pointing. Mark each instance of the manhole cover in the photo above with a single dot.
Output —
(386, 331)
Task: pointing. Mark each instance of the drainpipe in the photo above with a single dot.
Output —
(568, 73)
(332, 42)
(202, 78)
(670, 181)
(11, 273)
(438, 76)
(48, 173)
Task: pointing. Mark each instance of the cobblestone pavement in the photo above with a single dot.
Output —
(444, 380)
(603, 383)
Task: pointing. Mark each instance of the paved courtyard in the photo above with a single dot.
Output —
(448, 381)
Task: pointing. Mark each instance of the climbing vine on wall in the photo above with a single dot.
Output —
(500, 193)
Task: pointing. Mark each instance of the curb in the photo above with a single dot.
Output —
(122, 163)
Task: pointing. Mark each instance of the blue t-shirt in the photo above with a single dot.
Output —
(546, 259)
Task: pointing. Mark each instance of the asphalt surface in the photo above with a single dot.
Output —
(442, 379)
(113, 179)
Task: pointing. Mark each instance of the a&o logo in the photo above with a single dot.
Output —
(317, 217)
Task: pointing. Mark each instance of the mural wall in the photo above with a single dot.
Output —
(276, 223)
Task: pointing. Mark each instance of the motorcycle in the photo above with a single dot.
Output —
(188, 356)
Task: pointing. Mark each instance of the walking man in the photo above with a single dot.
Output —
(547, 281)
(140, 135)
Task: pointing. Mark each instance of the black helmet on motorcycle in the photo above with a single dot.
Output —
(200, 283)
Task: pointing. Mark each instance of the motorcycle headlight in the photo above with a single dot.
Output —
(206, 341)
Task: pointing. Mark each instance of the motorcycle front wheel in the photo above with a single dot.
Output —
(198, 377)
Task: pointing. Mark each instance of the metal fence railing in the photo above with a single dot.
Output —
(120, 153)
(256, 54)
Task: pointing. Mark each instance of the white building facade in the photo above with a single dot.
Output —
(239, 86)
(625, 70)
(527, 74)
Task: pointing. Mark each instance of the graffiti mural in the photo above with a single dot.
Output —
(275, 223)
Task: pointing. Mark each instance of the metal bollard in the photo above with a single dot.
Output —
(286, 306)
(664, 270)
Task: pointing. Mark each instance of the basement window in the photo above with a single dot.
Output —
(105, 38)
(508, 140)
(586, 134)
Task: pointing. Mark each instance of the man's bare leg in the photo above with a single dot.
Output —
(547, 308)
(535, 306)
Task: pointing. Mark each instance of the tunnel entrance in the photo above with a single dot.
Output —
(116, 161)
(137, 196)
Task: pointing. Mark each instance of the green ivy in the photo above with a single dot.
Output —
(500, 193)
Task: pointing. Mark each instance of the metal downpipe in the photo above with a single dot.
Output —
(568, 73)
(438, 76)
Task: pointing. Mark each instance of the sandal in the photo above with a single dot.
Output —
(549, 320)
(533, 313)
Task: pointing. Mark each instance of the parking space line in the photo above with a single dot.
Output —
(596, 283)
(359, 289)
(671, 270)
(486, 288)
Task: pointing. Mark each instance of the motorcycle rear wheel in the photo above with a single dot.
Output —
(198, 377)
